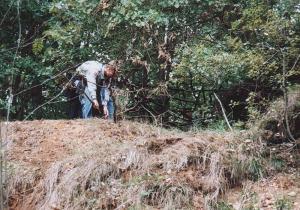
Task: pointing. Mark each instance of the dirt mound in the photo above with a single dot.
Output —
(277, 192)
(92, 164)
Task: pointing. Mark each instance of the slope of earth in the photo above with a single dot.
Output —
(92, 164)
(281, 191)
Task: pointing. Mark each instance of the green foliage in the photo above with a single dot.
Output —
(256, 169)
(283, 204)
(278, 164)
(176, 53)
(223, 206)
(37, 46)
(209, 65)
(218, 126)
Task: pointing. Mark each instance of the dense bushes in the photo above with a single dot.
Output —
(176, 54)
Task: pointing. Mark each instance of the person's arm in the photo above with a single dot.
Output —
(92, 87)
(91, 80)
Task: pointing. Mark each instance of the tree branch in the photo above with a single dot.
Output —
(223, 111)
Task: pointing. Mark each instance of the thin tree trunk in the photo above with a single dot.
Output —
(286, 100)
(223, 111)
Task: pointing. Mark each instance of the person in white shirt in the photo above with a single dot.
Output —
(94, 73)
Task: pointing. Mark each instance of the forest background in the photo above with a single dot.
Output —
(178, 57)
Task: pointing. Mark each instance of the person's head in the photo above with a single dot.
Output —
(110, 71)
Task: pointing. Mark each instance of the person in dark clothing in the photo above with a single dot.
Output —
(73, 110)
(73, 104)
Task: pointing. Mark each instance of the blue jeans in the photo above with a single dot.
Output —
(86, 104)
(110, 108)
(105, 97)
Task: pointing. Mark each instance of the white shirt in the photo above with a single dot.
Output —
(90, 69)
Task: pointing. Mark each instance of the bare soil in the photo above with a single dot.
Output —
(146, 168)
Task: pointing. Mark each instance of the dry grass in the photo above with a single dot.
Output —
(21, 181)
(128, 166)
